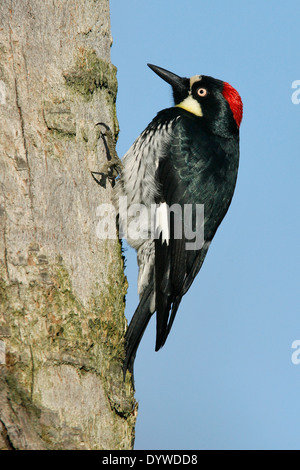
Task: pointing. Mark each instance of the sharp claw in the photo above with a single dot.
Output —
(112, 169)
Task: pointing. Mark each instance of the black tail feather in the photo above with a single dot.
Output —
(161, 339)
(137, 328)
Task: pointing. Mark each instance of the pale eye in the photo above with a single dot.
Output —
(202, 92)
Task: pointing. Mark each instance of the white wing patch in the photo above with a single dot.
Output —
(162, 222)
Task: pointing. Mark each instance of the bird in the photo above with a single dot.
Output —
(187, 158)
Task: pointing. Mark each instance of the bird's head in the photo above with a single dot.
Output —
(217, 102)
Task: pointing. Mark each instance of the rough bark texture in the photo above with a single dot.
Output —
(61, 288)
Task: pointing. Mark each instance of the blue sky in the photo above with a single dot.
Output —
(225, 378)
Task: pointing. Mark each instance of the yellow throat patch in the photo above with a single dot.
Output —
(191, 105)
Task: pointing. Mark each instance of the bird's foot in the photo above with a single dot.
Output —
(113, 167)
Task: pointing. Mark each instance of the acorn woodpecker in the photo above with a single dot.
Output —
(176, 184)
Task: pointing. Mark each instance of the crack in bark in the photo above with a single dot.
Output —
(4, 239)
(6, 437)
(32, 372)
(22, 122)
(24, 143)
(5, 257)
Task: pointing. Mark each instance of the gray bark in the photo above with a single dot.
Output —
(61, 288)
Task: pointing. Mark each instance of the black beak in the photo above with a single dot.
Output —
(178, 83)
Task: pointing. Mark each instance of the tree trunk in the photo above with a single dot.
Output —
(61, 287)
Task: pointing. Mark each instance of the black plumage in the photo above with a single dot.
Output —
(197, 163)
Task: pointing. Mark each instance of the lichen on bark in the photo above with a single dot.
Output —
(91, 73)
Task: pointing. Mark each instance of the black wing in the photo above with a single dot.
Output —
(197, 168)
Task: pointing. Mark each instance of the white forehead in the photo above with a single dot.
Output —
(194, 79)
